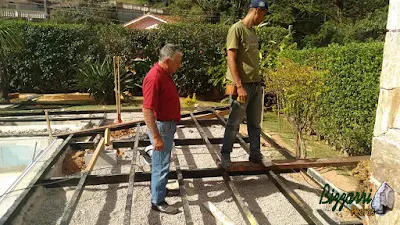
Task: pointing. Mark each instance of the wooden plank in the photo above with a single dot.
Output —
(69, 211)
(42, 119)
(218, 214)
(304, 210)
(4, 113)
(129, 195)
(284, 151)
(119, 126)
(182, 190)
(299, 163)
(93, 159)
(57, 182)
(178, 142)
(299, 204)
(107, 137)
(332, 222)
(212, 115)
(247, 215)
(80, 145)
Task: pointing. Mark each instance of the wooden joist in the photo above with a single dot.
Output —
(299, 163)
(126, 125)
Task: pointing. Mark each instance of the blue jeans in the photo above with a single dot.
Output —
(252, 108)
(160, 161)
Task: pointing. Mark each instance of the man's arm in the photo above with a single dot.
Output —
(151, 125)
(232, 54)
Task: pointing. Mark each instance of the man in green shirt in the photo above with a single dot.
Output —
(243, 70)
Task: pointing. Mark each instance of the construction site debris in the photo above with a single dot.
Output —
(122, 133)
(73, 163)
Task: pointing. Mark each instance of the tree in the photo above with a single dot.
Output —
(10, 42)
(298, 87)
(213, 9)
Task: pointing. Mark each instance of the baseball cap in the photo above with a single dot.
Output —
(262, 4)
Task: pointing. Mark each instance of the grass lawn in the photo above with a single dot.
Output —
(135, 104)
(340, 176)
(315, 148)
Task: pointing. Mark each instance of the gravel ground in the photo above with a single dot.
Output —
(104, 204)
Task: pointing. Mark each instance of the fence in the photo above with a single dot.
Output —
(22, 13)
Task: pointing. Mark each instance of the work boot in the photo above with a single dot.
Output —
(260, 159)
(164, 208)
(225, 161)
(172, 192)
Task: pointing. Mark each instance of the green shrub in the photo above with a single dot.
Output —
(97, 78)
(298, 88)
(53, 53)
(51, 56)
(201, 46)
(347, 105)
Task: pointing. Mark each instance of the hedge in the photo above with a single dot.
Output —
(50, 57)
(347, 105)
(54, 52)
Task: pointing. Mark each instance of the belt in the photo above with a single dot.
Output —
(252, 83)
(166, 120)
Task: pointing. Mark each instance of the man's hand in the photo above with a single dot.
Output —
(158, 144)
(151, 125)
(242, 94)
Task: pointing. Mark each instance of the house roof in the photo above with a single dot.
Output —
(161, 18)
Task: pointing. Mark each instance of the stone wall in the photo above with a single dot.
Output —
(385, 159)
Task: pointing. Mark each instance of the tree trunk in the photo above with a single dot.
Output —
(3, 83)
(215, 17)
(301, 152)
(298, 149)
(303, 149)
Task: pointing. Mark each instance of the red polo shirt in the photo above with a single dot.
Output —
(161, 95)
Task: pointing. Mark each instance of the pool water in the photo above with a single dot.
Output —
(14, 155)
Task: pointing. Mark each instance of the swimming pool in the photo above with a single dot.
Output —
(16, 156)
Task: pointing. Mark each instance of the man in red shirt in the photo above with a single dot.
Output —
(161, 110)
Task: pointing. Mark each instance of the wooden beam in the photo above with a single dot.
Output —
(4, 113)
(93, 159)
(212, 115)
(107, 137)
(88, 132)
(182, 189)
(299, 204)
(299, 163)
(81, 145)
(42, 119)
(57, 182)
(129, 195)
(244, 210)
(69, 211)
(178, 142)
(218, 214)
(304, 210)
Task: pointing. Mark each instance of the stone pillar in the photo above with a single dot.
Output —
(385, 157)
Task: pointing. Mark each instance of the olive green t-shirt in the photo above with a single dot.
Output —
(245, 40)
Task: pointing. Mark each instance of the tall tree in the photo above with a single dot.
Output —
(213, 9)
(10, 41)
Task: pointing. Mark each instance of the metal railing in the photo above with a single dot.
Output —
(14, 13)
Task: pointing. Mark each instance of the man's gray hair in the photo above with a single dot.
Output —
(168, 51)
